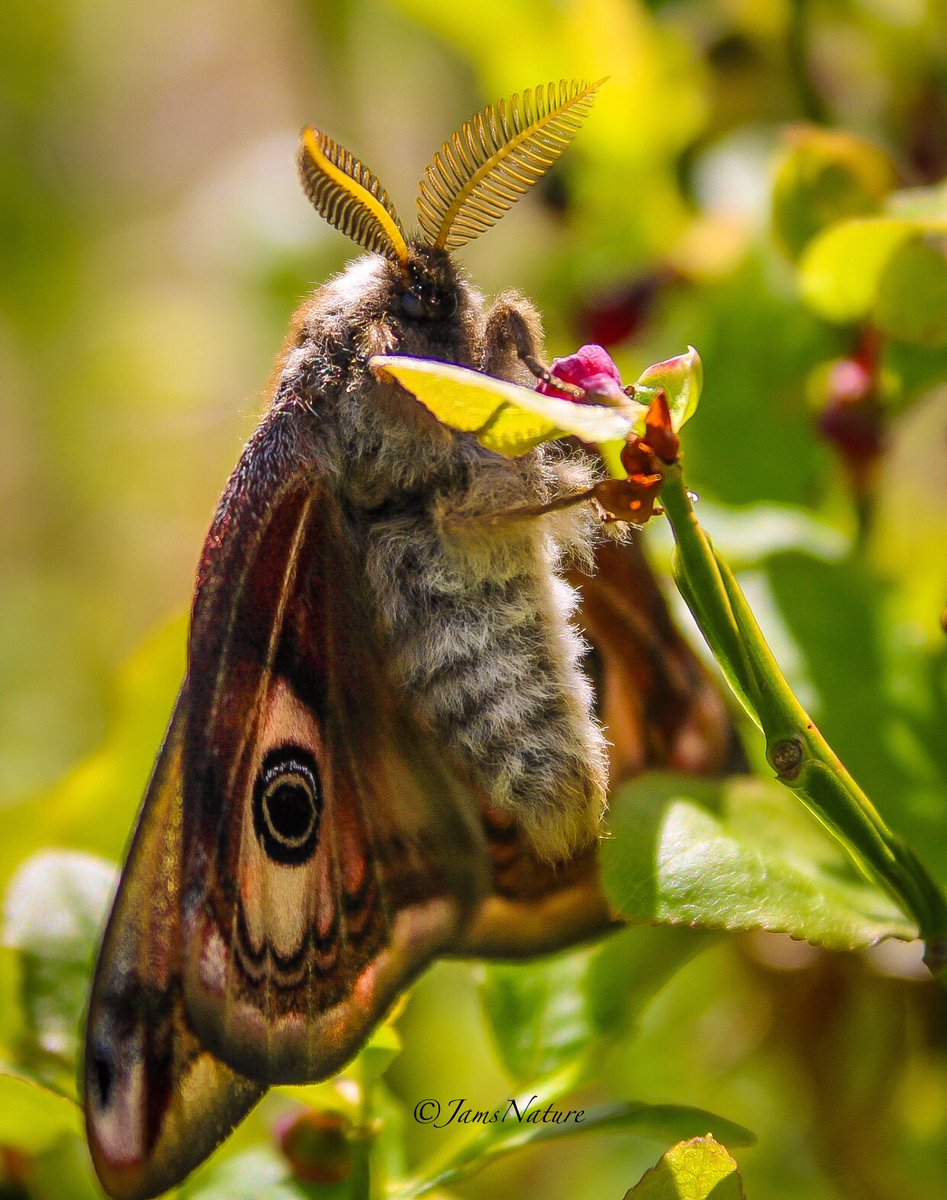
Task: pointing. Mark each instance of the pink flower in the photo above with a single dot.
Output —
(591, 368)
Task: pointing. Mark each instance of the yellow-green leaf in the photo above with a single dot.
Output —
(698, 1169)
(739, 853)
(505, 417)
(912, 292)
(826, 176)
(32, 1117)
(680, 378)
(841, 268)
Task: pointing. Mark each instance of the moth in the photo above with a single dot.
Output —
(388, 745)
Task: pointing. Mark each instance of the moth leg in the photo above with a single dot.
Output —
(513, 339)
(505, 495)
(511, 348)
(458, 522)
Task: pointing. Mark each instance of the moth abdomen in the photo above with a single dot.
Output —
(482, 646)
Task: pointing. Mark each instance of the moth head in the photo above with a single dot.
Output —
(424, 305)
(476, 176)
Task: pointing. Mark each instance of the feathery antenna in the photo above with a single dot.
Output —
(497, 156)
(349, 196)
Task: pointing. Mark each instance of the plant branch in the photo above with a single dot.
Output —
(798, 752)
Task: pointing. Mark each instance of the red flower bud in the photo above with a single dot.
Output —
(590, 368)
(317, 1144)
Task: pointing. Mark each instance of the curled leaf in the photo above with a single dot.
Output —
(504, 417)
(680, 378)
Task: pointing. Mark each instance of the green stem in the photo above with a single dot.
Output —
(798, 752)
(698, 577)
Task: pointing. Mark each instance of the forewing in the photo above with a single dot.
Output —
(156, 1103)
(329, 854)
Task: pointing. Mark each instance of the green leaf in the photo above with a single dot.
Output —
(64, 1169)
(32, 1117)
(545, 1015)
(93, 808)
(826, 176)
(911, 304)
(841, 270)
(505, 417)
(699, 1169)
(891, 269)
(377, 1055)
(537, 1013)
(254, 1175)
(55, 910)
(530, 1121)
(629, 970)
(738, 854)
(680, 378)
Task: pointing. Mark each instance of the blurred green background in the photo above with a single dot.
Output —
(155, 242)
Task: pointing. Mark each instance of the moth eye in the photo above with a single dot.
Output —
(287, 806)
(413, 306)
